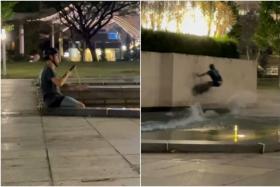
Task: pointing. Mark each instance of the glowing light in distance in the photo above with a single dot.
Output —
(124, 48)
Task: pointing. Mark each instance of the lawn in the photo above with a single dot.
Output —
(268, 83)
(97, 69)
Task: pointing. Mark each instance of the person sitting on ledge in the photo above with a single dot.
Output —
(50, 83)
(216, 81)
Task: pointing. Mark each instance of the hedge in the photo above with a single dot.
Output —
(167, 42)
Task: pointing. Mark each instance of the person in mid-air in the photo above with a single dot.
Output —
(50, 83)
(216, 80)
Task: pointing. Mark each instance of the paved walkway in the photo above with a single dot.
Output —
(211, 169)
(38, 150)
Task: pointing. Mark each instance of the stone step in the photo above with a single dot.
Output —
(93, 112)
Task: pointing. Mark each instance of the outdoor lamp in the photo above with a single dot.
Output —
(124, 48)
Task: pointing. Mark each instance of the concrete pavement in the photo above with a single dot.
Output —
(38, 150)
(210, 169)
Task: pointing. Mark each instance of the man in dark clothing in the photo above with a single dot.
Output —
(50, 83)
(216, 81)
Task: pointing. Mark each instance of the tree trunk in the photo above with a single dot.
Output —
(258, 55)
(209, 28)
(279, 76)
(247, 53)
(83, 51)
(92, 51)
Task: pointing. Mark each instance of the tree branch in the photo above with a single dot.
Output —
(87, 18)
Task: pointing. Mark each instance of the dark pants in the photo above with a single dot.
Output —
(204, 87)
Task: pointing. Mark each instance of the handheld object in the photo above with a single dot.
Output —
(72, 67)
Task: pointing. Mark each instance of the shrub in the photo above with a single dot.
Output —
(167, 42)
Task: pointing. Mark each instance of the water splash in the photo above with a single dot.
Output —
(196, 112)
(193, 114)
(242, 100)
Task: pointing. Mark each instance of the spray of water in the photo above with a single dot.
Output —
(263, 103)
(240, 101)
(193, 114)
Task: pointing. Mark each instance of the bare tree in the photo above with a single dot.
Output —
(86, 18)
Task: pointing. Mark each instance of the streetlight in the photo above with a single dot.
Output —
(3, 38)
(124, 48)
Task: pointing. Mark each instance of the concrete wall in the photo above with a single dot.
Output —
(167, 79)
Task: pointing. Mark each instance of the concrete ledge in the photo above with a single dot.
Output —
(92, 111)
(117, 80)
(109, 95)
(184, 146)
(129, 112)
(155, 146)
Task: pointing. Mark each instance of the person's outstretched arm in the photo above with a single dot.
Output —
(202, 74)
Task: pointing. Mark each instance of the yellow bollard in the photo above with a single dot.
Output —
(235, 135)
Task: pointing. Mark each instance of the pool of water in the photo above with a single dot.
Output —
(194, 124)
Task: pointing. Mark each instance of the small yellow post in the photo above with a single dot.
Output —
(235, 135)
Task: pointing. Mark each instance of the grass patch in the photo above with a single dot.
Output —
(268, 83)
(98, 69)
(167, 42)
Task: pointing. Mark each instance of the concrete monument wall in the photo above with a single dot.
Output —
(167, 79)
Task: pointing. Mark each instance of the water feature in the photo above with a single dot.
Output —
(197, 124)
